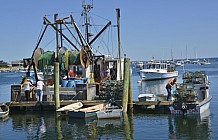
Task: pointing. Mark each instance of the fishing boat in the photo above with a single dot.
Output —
(4, 111)
(192, 96)
(158, 71)
(85, 113)
(64, 110)
(110, 111)
(82, 55)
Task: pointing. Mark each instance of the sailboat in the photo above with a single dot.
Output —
(187, 61)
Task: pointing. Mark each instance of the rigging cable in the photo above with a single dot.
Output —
(40, 34)
(101, 40)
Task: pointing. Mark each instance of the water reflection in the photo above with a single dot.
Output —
(109, 123)
(34, 124)
(154, 87)
(190, 126)
(46, 125)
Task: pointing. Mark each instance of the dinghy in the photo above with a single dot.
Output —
(64, 110)
(4, 111)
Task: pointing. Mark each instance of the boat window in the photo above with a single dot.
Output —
(149, 66)
(163, 66)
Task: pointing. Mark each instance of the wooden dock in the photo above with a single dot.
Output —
(50, 105)
(46, 105)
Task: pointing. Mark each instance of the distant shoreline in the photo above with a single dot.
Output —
(11, 69)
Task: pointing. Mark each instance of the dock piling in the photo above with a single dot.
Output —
(126, 84)
(56, 86)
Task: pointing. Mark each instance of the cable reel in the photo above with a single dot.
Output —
(85, 56)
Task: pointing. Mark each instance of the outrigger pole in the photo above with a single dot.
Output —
(47, 22)
(56, 29)
(32, 62)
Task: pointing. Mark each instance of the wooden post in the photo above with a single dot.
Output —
(56, 69)
(126, 84)
(128, 129)
(118, 35)
(56, 86)
(130, 92)
(58, 128)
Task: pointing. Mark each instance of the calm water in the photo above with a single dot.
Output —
(45, 125)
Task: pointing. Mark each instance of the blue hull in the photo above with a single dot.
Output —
(81, 115)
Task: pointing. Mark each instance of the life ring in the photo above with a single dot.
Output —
(184, 106)
(85, 55)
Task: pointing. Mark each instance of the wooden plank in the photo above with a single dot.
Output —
(51, 103)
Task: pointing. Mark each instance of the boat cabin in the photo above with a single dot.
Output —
(159, 65)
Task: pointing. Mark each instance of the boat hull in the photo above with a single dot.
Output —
(109, 113)
(88, 112)
(64, 110)
(147, 75)
(192, 108)
(81, 114)
(4, 111)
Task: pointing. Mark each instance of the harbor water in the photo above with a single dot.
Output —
(139, 126)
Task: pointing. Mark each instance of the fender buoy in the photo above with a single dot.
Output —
(184, 106)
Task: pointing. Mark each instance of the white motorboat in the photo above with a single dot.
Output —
(179, 63)
(110, 111)
(147, 97)
(205, 62)
(158, 71)
(192, 95)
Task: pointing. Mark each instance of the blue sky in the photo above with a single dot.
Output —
(149, 28)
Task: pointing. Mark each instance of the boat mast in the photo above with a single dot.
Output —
(186, 53)
(86, 10)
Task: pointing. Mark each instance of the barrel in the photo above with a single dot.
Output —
(64, 83)
(71, 83)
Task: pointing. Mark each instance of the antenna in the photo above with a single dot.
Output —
(87, 6)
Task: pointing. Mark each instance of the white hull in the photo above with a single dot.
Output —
(4, 111)
(157, 74)
(204, 105)
(71, 107)
(199, 109)
(109, 112)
